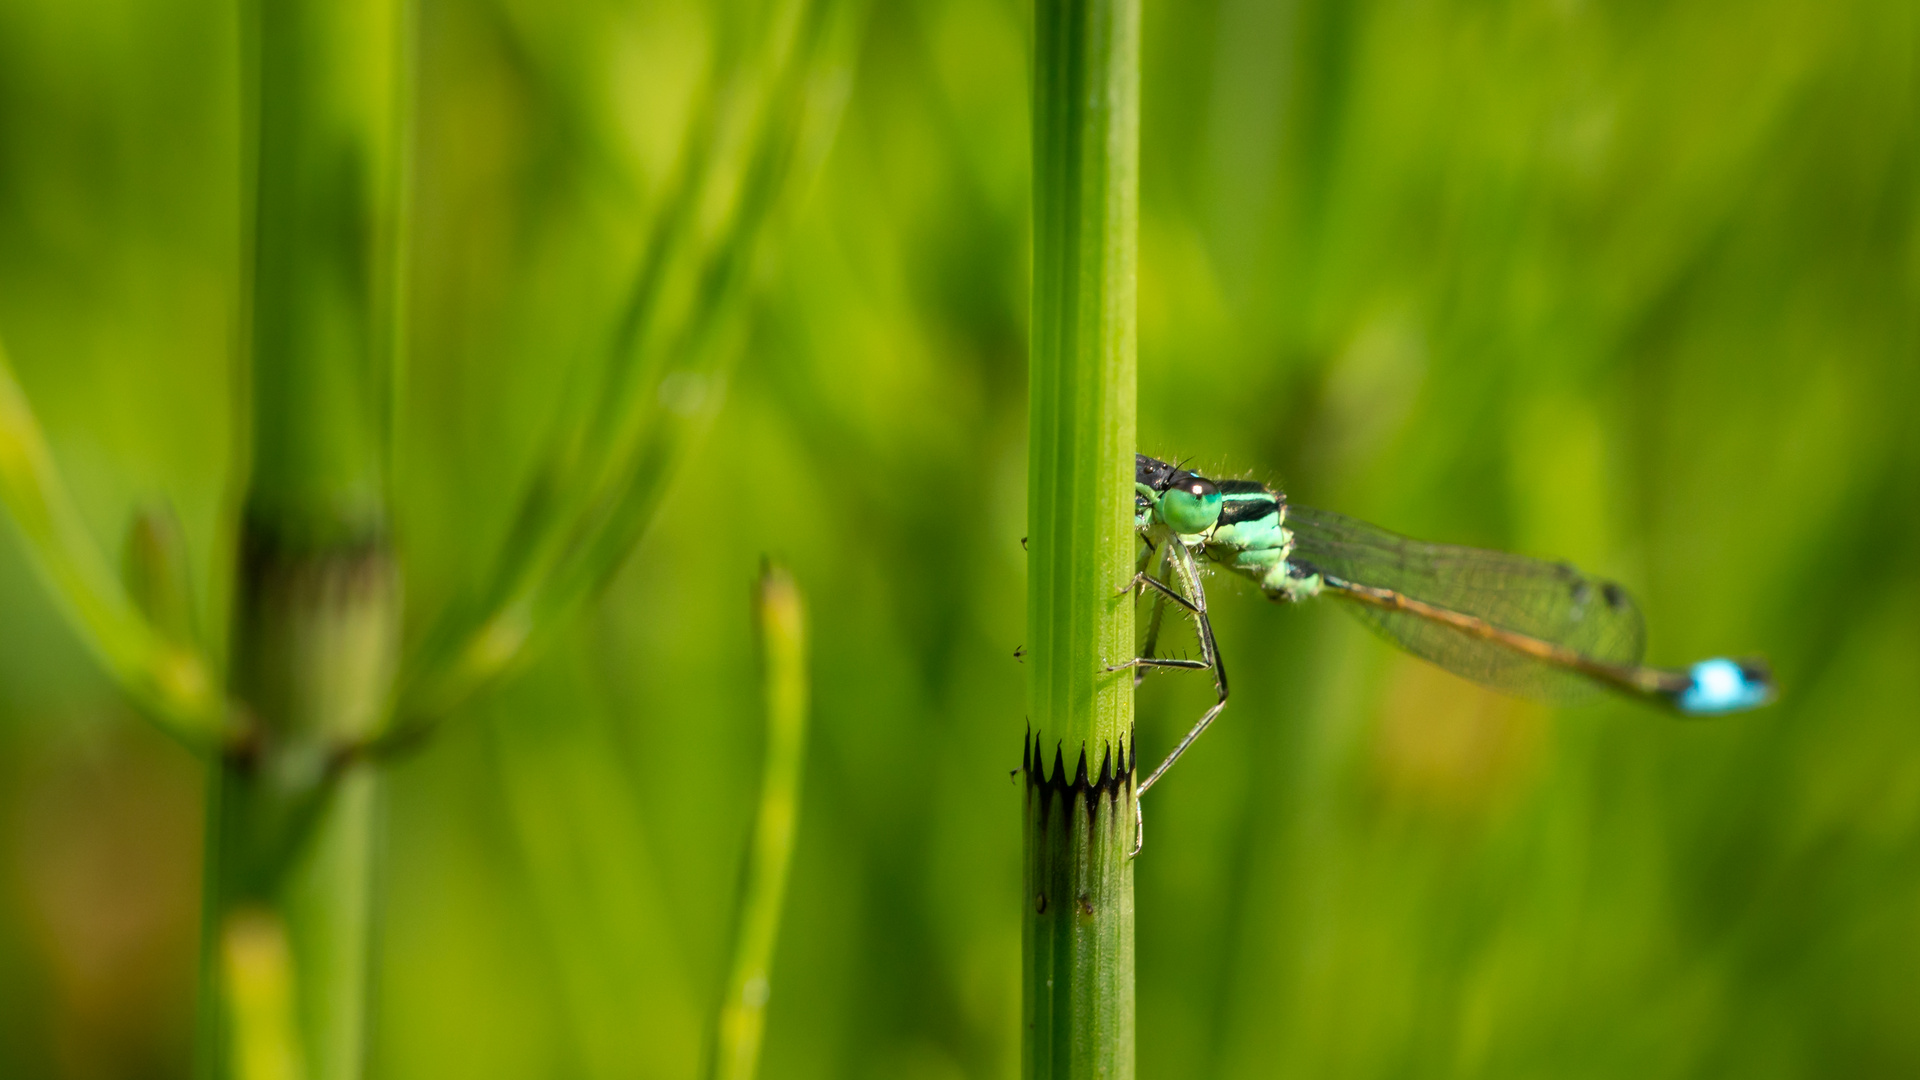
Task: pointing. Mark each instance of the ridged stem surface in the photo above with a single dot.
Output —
(1078, 943)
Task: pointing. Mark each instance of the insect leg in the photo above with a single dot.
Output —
(1164, 592)
(1209, 651)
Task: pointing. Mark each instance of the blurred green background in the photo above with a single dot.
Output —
(1634, 284)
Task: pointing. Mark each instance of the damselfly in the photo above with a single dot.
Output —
(1538, 629)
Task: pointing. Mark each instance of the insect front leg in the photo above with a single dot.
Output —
(1210, 651)
(1191, 596)
(1153, 620)
(1163, 592)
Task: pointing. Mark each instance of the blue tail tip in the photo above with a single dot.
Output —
(1720, 686)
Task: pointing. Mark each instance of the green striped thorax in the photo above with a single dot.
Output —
(1237, 524)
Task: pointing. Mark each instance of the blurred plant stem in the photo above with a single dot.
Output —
(312, 671)
(758, 135)
(1078, 940)
(781, 619)
(171, 681)
(153, 563)
(292, 810)
(258, 970)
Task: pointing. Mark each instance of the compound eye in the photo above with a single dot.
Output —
(1192, 505)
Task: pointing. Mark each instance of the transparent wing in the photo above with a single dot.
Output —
(1552, 602)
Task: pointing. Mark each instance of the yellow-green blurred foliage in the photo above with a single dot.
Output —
(1635, 284)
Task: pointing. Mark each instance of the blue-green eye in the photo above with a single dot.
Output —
(1191, 506)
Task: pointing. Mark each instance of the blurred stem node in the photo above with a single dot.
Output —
(293, 813)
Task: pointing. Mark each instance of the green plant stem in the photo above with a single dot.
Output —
(325, 153)
(258, 969)
(755, 144)
(293, 810)
(293, 815)
(782, 621)
(1079, 999)
(169, 679)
